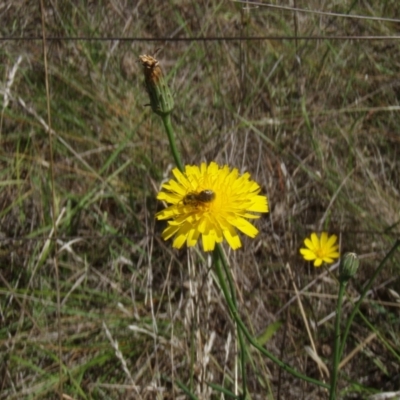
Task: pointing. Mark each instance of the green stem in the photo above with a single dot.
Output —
(192, 354)
(171, 137)
(251, 339)
(336, 359)
(363, 294)
(220, 257)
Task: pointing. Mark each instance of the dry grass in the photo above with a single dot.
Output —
(314, 121)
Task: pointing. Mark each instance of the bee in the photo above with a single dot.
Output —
(194, 199)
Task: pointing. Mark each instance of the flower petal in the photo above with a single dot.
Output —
(315, 241)
(308, 254)
(323, 240)
(317, 262)
(232, 238)
(309, 244)
(332, 240)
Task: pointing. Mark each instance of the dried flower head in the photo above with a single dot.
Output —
(151, 68)
(161, 100)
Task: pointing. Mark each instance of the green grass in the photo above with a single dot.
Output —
(315, 122)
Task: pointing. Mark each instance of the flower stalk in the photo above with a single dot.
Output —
(252, 340)
(337, 341)
(347, 269)
(166, 119)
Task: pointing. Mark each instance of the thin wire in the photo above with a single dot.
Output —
(200, 38)
(327, 13)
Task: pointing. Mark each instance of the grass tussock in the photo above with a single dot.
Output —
(316, 123)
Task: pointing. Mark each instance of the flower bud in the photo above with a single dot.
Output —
(161, 100)
(348, 266)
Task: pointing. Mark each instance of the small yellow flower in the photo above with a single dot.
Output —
(210, 201)
(323, 249)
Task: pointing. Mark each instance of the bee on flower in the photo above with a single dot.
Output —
(195, 199)
(211, 202)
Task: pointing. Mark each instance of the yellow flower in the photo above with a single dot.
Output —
(323, 249)
(210, 201)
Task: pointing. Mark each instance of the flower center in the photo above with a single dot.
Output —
(321, 252)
